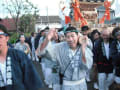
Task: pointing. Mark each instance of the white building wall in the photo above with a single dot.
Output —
(42, 26)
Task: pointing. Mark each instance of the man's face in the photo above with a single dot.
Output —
(22, 39)
(3, 41)
(34, 34)
(72, 39)
(105, 35)
(96, 36)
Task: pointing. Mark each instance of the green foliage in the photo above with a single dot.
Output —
(27, 23)
(15, 36)
(18, 8)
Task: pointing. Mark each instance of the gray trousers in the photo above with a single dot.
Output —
(105, 80)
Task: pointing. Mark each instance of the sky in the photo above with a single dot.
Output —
(51, 7)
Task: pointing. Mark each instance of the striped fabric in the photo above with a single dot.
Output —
(60, 53)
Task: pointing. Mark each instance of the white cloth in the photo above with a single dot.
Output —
(48, 73)
(117, 80)
(81, 86)
(71, 83)
(115, 6)
(20, 46)
(105, 80)
(106, 45)
(3, 71)
(56, 87)
(34, 56)
(60, 53)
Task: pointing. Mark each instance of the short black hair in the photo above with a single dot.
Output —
(115, 30)
(95, 31)
(71, 29)
(85, 28)
(60, 29)
(46, 28)
(4, 29)
(32, 34)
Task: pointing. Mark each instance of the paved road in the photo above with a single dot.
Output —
(38, 67)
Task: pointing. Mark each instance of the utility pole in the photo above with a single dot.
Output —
(47, 15)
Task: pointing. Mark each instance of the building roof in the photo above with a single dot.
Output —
(50, 19)
(9, 24)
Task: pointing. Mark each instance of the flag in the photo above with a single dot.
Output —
(67, 19)
(65, 12)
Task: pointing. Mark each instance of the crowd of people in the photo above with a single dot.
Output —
(69, 59)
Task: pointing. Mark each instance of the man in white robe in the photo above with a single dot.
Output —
(73, 56)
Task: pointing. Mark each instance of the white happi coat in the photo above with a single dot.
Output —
(72, 67)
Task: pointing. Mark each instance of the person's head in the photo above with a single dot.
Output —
(44, 31)
(85, 30)
(4, 37)
(47, 28)
(71, 35)
(105, 34)
(22, 38)
(33, 34)
(116, 33)
(38, 31)
(95, 34)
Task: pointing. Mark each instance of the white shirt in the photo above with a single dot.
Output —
(72, 52)
(106, 45)
(3, 70)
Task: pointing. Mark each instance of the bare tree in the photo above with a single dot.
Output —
(17, 8)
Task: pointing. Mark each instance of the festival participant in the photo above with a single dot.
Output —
(103, 60)
(73, 56)
(16, 70)
(115, 53)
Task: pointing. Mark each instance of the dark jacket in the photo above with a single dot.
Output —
(104, 65)
(24, 74)
(116, 57)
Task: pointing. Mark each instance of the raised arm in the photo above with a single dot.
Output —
(48, 38)
(87, 56)
(46, 48)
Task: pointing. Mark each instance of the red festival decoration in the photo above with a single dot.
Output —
(106, 16)
(77, 14)
(67, 18)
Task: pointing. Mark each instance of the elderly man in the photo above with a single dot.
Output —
(16, 70)
(73, 57)
(103, 60)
